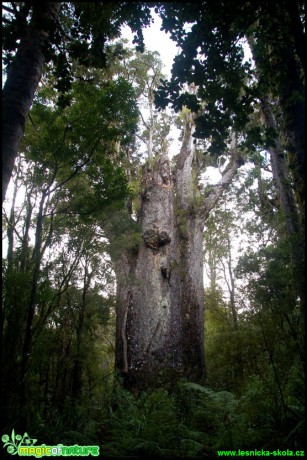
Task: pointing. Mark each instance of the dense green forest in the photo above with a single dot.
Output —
(148, 308)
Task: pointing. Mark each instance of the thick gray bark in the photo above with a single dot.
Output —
(148, 341)
(22, 80)
(160, 293)
(190, 225)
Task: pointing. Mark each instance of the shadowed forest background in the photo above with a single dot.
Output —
(148, 308)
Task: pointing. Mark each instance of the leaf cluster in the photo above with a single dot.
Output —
(82, 34)
(210, 36)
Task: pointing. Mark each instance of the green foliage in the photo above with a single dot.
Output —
(90, 168)
(227, 92)
(82, 35)
(125, 233)
(258, 359)
(208, 413)
(53, 366)
(271, 276)
(151, 425)
(191, 421)
(144, 426)
(206, 50)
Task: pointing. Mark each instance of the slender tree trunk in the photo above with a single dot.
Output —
(22, 80)
(77, 366)
(8, 335)
(10, 230)
(149, 143)
(24, 258)
(150, 125)
(229, 279)
(28, 337)
(212, 270)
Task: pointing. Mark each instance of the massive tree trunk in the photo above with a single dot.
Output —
(22, 80)
(160, 293)
(148, 342)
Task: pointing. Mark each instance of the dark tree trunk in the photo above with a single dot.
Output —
(22, 80)
(294, 131)
(288, 88)
(282, 178)
(10, 231)
(288, 85)
(160, 293)
(297, 30)
(28, 336)
(294, 225)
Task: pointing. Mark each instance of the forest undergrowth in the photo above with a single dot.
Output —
(190, 420)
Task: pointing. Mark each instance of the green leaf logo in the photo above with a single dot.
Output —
(12, 443)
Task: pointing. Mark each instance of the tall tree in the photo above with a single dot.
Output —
(24, 75)
(160, 294)
(145, 70)
(60, 33)
(68, 174)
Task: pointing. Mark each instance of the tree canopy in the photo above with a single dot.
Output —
(228, 87)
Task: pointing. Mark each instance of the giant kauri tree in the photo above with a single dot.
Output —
(160, 294)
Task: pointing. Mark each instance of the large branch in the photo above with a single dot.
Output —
(186, 150)
(214, 192)
(184, 177)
